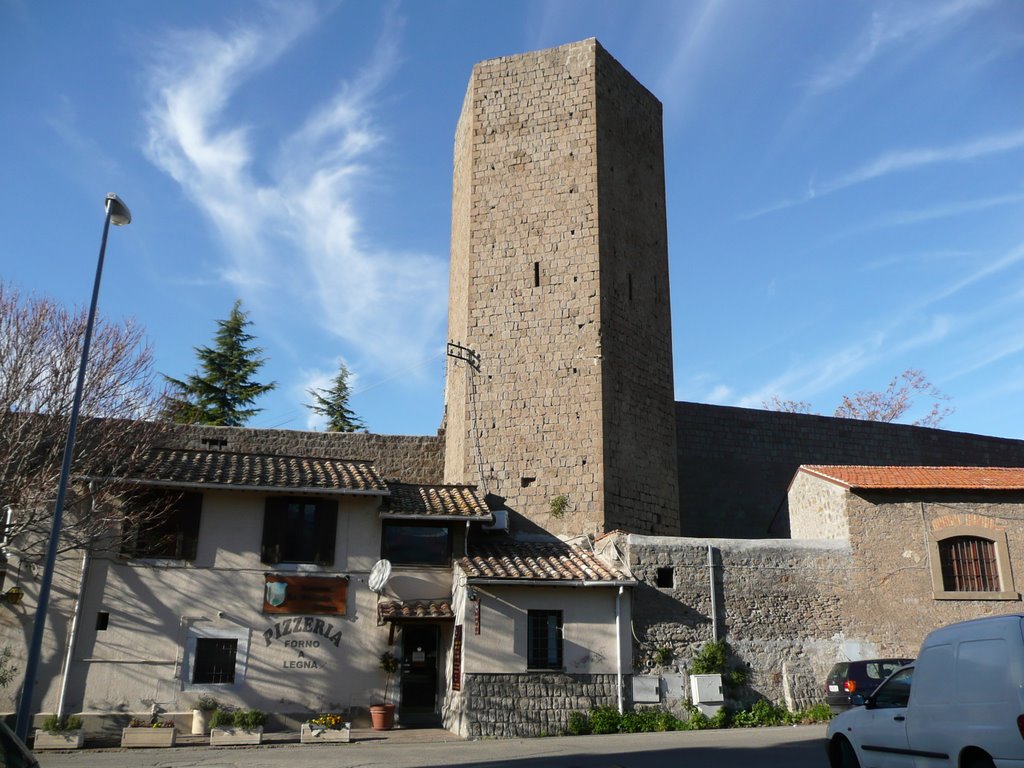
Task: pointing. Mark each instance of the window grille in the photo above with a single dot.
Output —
(215, 661)
(969, 564)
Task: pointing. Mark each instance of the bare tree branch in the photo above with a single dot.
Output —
(40, 348)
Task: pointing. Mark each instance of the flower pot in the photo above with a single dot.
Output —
(310, 735)
(132, 738)
(235, 737)
(58, 740)
(200, 717)
(382, 716)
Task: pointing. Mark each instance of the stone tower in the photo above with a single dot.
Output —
(559, 282)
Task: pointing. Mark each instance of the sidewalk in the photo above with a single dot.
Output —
(359, 736)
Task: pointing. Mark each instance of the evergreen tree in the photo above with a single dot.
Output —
(223, 390)
(333, 403)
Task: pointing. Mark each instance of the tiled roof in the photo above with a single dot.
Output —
(396, 610)
(437, 501)
(252, 471)
(554, 562)
(924, 478)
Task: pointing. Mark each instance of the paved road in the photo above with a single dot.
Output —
(799, 747)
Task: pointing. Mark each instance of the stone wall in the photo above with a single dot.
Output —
(735, 464)
(890, 601)
(404, 458)
(573, 394)
(779, 605)
(532, 704)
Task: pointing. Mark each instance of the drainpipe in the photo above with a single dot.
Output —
(73, 634)
(714, 594)
(618, 642)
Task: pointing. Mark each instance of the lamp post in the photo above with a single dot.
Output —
(118, 214)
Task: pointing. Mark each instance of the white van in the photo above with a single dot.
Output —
(961, 704)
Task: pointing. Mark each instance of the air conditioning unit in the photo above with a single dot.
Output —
(499, 524)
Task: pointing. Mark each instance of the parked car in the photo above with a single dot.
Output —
(13, 752)
(960, 705)
(849, 678)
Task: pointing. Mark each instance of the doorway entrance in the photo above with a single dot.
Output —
(419, 675)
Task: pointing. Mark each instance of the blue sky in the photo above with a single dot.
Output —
(845, 185)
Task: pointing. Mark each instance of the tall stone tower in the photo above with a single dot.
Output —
(559, 282)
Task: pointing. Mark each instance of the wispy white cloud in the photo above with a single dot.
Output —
(290, 219)
(894, 29)
(899, 161)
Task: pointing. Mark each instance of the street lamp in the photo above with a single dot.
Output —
(118, 214)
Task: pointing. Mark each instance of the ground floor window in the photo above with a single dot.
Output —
(215, 661)
(971, 562)
(544, 640)
(215, 657)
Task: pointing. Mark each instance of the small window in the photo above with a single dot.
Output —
(411, 544)
(163, 525)
(666, 578)
(969, 564)
(102, 621)
(215, 661)
(297, 530)
(544, 640)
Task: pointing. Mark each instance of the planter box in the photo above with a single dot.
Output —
(326, 736)
(62, 740)
(235, 737)
(148, 737)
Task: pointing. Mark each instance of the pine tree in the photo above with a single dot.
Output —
(223, 391)
(333, 403)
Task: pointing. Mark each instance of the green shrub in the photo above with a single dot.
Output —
(54, 724)
(222, 718)
(697, 720)
(205, 703)
(721, 719)
(578, 724)
(711, 659)
(816, 713)
(666, 721)
(604, 720)
(250, 719)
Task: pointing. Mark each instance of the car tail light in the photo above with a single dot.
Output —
(1020, 725)
(850, 686)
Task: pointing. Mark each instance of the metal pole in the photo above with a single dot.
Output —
(35, 647)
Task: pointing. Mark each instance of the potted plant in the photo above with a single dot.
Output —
(383, 715)
(60, 733)
(326, 728)
(155, 733)
(202, 709)
(236, 728)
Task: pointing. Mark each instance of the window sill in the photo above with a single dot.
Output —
(301, 567)
(1015, 596)
(537, 670)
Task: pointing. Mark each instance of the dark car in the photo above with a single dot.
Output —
(857, 677)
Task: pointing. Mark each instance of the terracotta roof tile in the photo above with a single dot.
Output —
(393, 610)
(924, 478)
(223, 469)
(438, 501)
(538, 561)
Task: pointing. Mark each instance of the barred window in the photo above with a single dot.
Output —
(969, 564)
(215, 660)
(544, 639)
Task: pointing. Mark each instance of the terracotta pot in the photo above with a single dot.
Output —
(382, 716)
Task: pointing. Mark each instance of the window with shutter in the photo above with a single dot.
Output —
(299, 530)
(163, 525)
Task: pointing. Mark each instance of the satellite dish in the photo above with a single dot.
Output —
(379, 575)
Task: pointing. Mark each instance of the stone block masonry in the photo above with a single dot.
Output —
(531, 704)
(559, 280)
(403, 458)
(735, 464)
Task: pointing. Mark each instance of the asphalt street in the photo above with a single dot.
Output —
(790, 747)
